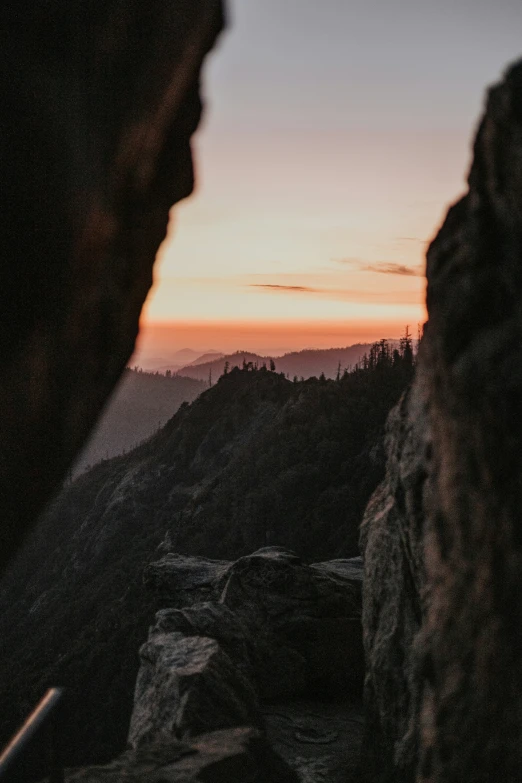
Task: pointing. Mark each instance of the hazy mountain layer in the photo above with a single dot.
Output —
(211, 356)
(139, 407)
(303, 364)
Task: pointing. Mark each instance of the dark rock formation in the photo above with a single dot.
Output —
(99, 100)
(314, 613)
(444, 663)
(186, 686)
(391, 540)
(210, 666)
(239, 755)
(290, 630)
(180, 580)
(472, 359)
(277, 670)
(298, 626)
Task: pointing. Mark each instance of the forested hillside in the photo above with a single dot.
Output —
(255, 459)
(301, 364)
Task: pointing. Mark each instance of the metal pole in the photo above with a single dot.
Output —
(36, 720)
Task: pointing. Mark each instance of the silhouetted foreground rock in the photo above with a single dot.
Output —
(99, 101)
(472, 701)
(444, 684)
(230, 756)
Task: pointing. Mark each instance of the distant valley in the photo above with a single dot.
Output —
(142, 403)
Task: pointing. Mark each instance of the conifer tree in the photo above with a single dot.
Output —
(406, 346)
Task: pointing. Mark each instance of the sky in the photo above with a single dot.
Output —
(335, 135)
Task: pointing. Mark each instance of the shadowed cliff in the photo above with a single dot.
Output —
(442, 535)
(99, 101)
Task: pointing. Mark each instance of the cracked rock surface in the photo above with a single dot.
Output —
(257, 660)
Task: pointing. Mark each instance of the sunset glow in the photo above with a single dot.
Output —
(334, 140)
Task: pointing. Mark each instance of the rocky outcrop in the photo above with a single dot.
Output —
(394, 583)
(229, 756)
(470, 645)
(186, 686)
(277, 670)
(442, 536)
(99, 101)
(181, 581)
(297, 628)
(273, 634)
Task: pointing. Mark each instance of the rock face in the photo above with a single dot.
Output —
(295, 628)
(391, 540)
(234, 756)
(181, 581)
(272, 630)
(442, 606)
(471, 640)
(270, 635)
(96, 126)
(186, 686)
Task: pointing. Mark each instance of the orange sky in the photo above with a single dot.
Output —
(328, 155)
(265, 337)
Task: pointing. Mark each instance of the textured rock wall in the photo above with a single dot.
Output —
(472, 363)
(98, 102)
(443, 535)
(394, 592)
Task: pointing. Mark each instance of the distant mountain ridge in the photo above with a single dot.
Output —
(210, 356)
(311, 362)
(144, 401)
(173, 362)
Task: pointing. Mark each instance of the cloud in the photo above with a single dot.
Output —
(339, 294)
(394, 269)
(299, 288)
(384, 267)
